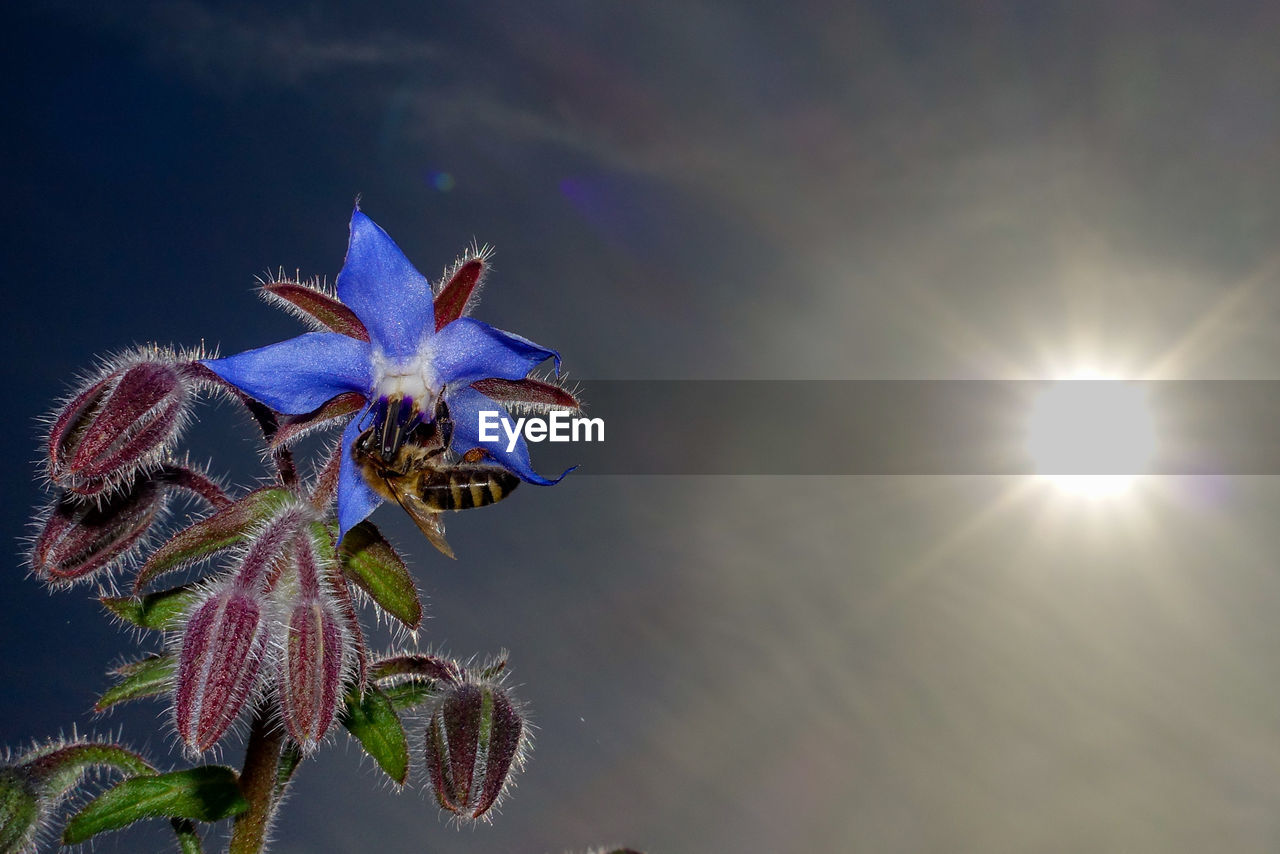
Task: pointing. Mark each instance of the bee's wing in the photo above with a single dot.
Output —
(427, 520)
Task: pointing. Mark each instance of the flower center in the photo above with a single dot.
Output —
(404, 397)
(413, 379)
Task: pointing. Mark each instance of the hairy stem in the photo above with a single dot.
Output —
(258, 782)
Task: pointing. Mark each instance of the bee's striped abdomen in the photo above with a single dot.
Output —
(462, 488)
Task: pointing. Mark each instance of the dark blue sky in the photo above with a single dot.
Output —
(719, 190)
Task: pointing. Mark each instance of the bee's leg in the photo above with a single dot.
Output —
(444, 424)
(442, 428)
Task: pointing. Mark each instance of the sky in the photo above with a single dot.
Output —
(717, 191)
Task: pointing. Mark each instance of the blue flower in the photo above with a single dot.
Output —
(420, 350)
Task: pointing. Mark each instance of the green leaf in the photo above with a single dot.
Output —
(188, 836)
(145, 678)
(227, 527)
(374, 566)
(373, 721)
(161, 611)
(410, 693)
(205, 793)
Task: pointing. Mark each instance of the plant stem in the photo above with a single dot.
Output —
(258, 780)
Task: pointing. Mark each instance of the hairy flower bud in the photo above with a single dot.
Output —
(222, 650)
(475, 740)
(121, 422)
(20, 809)
(311, 671)
(315, 653)
(225, 639)
(80, 538)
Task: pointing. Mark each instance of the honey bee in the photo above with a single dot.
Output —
(406, 460)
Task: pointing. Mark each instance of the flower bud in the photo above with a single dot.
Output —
(475, 740)
(80, 538)
(20, 809)
(222, 650)
(122, 422)
(311, 670)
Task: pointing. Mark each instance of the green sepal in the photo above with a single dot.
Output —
(373, 721)
(20, 810)
(188, 836)
(147, 677)
(56, 768)
(290, 759)
(373, 565)
(426, 666)
(161, 611)
(205, 793)
(410, 693)
(493, 669)
(226, 528)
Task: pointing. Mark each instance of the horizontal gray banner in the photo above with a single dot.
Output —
(859, 427)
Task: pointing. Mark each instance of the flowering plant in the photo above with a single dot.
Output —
(265, 629)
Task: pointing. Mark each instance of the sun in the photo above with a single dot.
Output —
(1091, 436)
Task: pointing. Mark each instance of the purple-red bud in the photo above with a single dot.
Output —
(475, 741)
(222, 650)
(121, 422)
(311, 671)
(315, 652)
(80, 538)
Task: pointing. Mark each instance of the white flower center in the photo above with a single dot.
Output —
(413, 379)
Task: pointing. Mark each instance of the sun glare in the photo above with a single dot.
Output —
(1091, 436)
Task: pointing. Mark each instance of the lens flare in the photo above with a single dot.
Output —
(1091, 437)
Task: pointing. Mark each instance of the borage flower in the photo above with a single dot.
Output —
(402, 349)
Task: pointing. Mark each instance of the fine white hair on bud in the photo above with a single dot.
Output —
(123, 419)
(316, 651)
(476, 741)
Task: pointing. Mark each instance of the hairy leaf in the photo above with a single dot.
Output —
(148, 677)
(161, 610)
(373, 721)
(371, 562)
(410, 693)
(205, 793)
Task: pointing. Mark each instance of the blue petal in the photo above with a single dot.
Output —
(465, 405)
(390, 297)
(299, 375)
(356, 499)
(468, 350)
